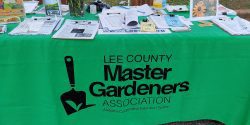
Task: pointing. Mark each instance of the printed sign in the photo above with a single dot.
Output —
(203, 9)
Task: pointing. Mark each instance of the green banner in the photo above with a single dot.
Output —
(191, 78)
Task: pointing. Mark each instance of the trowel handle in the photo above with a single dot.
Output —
(70, 69)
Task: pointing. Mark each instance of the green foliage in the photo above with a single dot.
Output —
(112, 2)
(178, 2)
(8, 6)
(76, 7)
(17, 6)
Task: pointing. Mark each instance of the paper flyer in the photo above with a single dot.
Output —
(77, 29)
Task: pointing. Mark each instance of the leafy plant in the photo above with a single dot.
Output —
(76, 7)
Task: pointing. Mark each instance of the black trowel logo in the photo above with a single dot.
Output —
(73, 100)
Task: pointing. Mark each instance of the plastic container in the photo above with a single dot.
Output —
(164, 4)
(157, 4)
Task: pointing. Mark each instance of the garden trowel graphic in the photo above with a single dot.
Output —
(73, 100)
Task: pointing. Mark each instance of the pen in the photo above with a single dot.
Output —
(113, 13)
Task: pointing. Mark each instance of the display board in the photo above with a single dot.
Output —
(203, 9)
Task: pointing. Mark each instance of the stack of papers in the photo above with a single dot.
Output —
(36, 26)
(175, 23)
(159, 21)
(235, 26)
(222, 10)
(30, 6)
(114, 20)
(77, 29)
(117, 21)
(177, 8)
(143, 10)
(133, 31)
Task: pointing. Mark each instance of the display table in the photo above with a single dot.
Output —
(127, 79)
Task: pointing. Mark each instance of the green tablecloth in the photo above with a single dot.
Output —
(209, 78)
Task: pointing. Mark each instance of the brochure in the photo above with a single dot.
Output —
(177, 8)
(174, 22)
(114, 20)
(77, 29)
(235, 26)
(36, 26)
(30, 6)
(222, 10)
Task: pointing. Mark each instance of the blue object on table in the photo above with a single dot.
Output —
(164, 3)
(174, 21)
